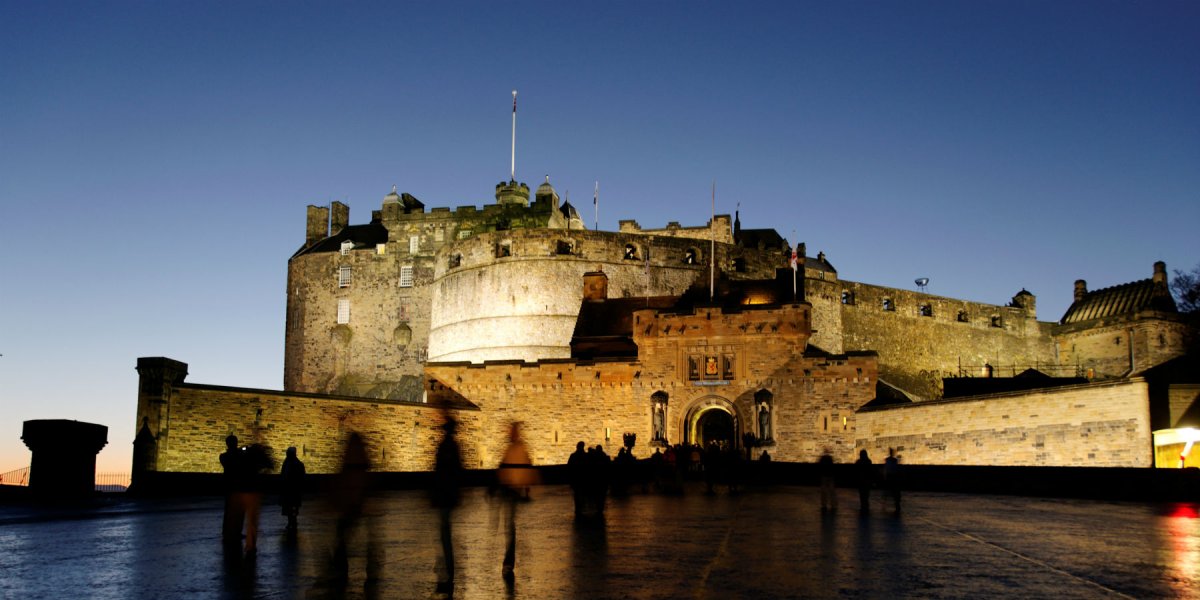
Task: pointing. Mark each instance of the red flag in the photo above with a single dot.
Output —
(795, 260)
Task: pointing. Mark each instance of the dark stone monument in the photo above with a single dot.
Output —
(64, 458)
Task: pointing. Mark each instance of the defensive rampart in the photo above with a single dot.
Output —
(1094, 425)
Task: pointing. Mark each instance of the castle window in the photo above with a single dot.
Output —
(455, 261)
(925, 310)
(503, 249)
(343, 277)
(343, 311)
(464, 234)
(997, 321)
(1117, 341)
(739, 265)
(414, 244)
(962, 316)
(406, 276)
(691, 256)
(402, 335)
(380, 248)
(439, 235)
(694, 367)
(564, 247)
(346, 247)
(847, 297)
(631, 252)
(888, 305)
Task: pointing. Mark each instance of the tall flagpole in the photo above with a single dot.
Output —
(513, 167)
(596, 204)
(712, 252)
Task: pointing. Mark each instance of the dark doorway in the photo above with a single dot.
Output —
(715, 426)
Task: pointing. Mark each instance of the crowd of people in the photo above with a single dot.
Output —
(592, 474)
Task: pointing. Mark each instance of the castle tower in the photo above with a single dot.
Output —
(512, 192)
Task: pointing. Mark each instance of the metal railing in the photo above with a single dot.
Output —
(105, 482)
(112, 482)
(17, 477)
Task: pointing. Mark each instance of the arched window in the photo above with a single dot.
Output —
(564, 247)
(631, 252)
(847, 297)
(504, 249)
(997, 321)
(888, 305)
(455, 261)
(962, 316)
(925, 310)
(691, 256)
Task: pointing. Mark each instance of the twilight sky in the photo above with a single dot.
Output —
(156, 158)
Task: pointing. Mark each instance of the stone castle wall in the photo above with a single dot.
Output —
(523, 304)
(916, 351)
(1090, 425)
(1119, 346)
(190, 423)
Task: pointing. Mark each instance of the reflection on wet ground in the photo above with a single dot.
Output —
(765, 543)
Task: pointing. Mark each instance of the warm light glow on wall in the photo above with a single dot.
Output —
(757, 299)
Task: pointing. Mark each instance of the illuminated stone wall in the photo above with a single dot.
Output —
(916, 352)
(1091, 425)
(1117, 347)
(190, 423)
(524, 305)
(563, 402)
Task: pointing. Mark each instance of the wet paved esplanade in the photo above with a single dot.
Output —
(763, 543)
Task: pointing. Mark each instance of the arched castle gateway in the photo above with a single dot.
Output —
(515, 311)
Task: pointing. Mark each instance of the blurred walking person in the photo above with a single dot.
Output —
(515, 475)
(825, 470)
(891, 476)
(446, 495)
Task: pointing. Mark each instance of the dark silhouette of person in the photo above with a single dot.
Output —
(577, 475)
(350, 494)
(864, 471)
(599, 472)
(231, 524)
(825, 471)
(891, 476)
(291, 487)
(446, 496)
(515, 475)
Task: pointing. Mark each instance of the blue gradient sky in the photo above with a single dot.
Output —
(156, 158)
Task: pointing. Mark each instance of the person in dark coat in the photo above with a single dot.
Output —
(864, 470)
(577, 467)
(446, 495)
(231, 525)
(291, 486)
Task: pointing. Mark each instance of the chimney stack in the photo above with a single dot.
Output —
(1080, 289)
(339, 219)
(318, 224)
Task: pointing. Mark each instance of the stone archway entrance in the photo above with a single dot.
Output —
(712, 419)
(714, 426)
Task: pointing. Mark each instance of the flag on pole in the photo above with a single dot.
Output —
(795, 261)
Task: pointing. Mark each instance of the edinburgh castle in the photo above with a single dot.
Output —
(517, 312)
